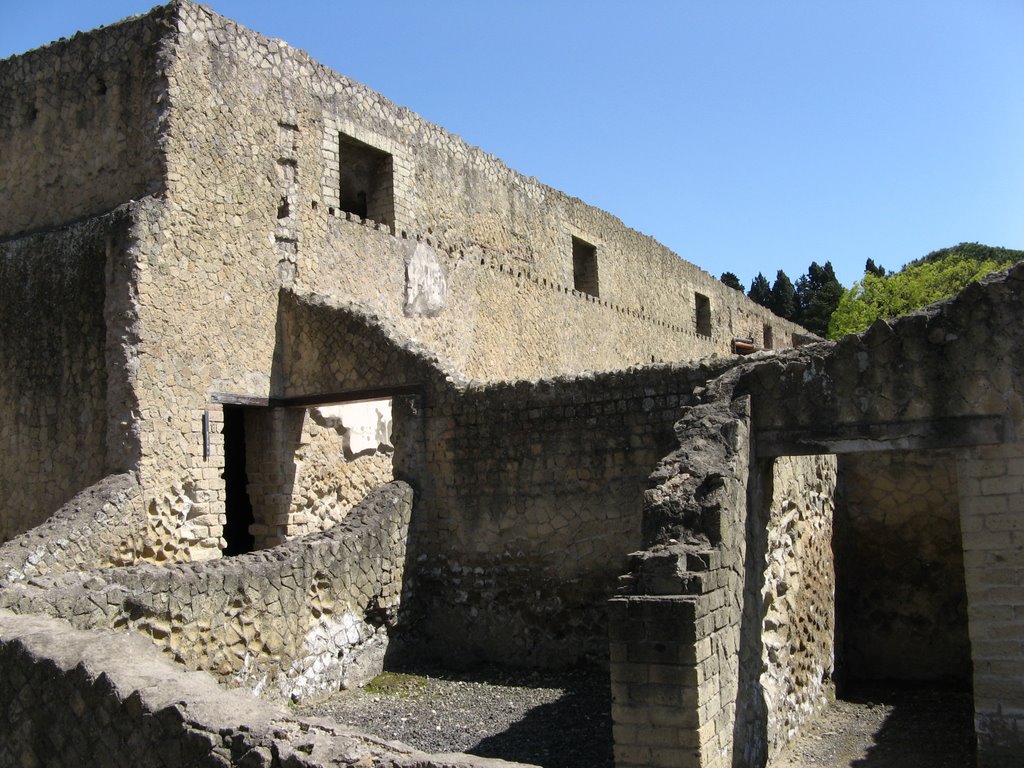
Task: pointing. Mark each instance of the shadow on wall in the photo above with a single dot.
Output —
(750, 731)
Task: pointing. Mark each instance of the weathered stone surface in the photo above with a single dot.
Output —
(94, 698)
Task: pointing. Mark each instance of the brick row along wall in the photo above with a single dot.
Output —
(85, 699)
(991, 484)
(531, 499)
(303, 618)
(65, 401)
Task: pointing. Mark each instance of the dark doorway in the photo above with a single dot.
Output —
(901, 600)
(236, 503)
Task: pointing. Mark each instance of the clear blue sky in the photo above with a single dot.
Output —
(745, 135)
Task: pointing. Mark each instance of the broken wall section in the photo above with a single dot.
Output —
(101, 527)
(721, 635)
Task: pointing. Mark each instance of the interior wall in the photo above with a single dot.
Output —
(900, 572)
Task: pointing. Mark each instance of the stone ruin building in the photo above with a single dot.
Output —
(294, 383)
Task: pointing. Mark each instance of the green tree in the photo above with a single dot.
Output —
(732, 280)
(918, 284)
(760, 291)
(870, 268)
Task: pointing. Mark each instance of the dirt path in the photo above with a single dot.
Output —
(886, 728)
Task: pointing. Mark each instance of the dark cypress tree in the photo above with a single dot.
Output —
(730, 279)
(870, 268)
(760, 291)
(783, 297)
(817, 296)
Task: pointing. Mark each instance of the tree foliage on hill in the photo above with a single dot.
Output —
(924, 281)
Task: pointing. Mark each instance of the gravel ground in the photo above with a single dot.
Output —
(888, 728)
(563, 721)
(554, 720)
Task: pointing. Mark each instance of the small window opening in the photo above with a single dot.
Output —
(584, 267)
(769, 337)
(237, 506)
(367, 180)
(703, 314)
(283, 209)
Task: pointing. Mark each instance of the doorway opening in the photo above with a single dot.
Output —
(237, 506)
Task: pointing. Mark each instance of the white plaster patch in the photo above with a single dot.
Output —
(426, 286)
(340, 652)
(366, 425)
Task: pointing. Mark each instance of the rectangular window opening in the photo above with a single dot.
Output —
(769, 337)
(703, 314)
(366, 180)
(584, 267)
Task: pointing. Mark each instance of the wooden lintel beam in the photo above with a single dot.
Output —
(328, 398)
(929, 434)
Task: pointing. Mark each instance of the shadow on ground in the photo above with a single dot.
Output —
(573, 732)
(927, 728)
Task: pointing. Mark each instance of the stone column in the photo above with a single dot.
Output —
(991, 481)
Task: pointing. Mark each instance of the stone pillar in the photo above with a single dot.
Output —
(654, 675)
(991, 481)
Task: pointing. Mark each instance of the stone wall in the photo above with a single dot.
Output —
(79, 124)
(67, 318)
(722, 635)
(899, 563)
(86, 699)
(797, 597)
(531, 499)
(303, 618)
(230, 141)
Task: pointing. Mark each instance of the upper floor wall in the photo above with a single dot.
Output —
(341, 184)
(79, 124)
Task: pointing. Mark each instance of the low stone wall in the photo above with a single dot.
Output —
(85, 699)
(306, 617)
(101, 527)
